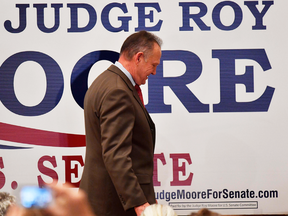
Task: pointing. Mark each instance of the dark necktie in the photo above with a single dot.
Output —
(138, 89)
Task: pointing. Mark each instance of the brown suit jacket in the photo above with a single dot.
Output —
(120, 139)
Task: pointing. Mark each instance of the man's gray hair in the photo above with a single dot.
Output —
(142, 41)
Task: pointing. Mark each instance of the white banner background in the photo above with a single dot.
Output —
(237, 151)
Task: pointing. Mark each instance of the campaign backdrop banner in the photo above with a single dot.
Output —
(219, 99)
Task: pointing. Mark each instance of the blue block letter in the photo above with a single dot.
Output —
(258, 16)
(74, 17)
(177, 84)
(216, 15)
(80, 73)
(54, 79)
(22, 20)
(196, 17)
(228, 81)
(40, 17)
(142, 16)
(124, 20)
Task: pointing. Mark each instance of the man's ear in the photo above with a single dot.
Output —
(138, 56)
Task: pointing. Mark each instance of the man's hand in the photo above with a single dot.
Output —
(140, 209)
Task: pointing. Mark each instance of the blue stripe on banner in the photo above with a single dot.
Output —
(13, 147)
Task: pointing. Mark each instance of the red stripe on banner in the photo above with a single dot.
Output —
(31, 136)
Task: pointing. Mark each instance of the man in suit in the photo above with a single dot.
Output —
(120, 135)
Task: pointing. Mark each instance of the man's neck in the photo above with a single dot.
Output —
(127, 65)
(125, 71)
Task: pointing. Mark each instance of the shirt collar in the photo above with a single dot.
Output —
(120, 66)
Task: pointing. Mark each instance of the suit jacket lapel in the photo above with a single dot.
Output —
(116, 70)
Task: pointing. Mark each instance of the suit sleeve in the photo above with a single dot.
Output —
(117, 122)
